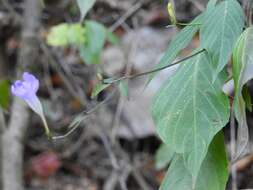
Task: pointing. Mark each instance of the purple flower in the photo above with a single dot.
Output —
(26, 90)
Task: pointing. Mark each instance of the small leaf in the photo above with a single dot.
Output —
(171, 11)
(98, 88)
(95, 40)
(85, 6)
(66, 34)
(4, 93)
(123, 87)
(219, 32)
(213, 173)
(76, 34)
(163, 156)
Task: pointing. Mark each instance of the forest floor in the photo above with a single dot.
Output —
(115, 146)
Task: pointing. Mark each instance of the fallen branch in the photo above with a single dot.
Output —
(13, 136)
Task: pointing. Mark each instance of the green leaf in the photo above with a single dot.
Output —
(219, 32)
(4, 93)
(123, 87)
(213, 174)
(242, 73)
(85, 6)
(189, 110)
(66, 34)
(163, 156)
(211, 4)
(95, 40)
(98, 88)
(179, 42)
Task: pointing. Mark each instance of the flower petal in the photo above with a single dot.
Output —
(32, 81)
(18, 89)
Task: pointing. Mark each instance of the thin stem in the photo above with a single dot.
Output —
(233, 147)
(83, 116)
(183, 24)
(47, 131)
(67, 134)
(228, 79)
(2, 121)
(187, 24)
(250, 3)
(106, 81)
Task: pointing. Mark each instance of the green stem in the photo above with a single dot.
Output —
(182, 24)
(106, 81)
(187, 24)
(47, 131)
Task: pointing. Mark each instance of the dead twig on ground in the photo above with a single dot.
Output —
(125, 16)
(70, 86)
(121, 101)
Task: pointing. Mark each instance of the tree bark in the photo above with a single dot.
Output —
(13, 137)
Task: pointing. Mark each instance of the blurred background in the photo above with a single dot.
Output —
(108, 138)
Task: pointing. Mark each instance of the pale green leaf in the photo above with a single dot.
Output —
(99, 87)
(66, 34)
(85, 6)
(95, 40)
(213, 173)
(189, 110)
(163, 156)
(242, 73)
(219, 32)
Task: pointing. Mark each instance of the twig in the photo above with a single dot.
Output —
(249, 12)
(109, 81)
(197, 5)
(2, 129)
(2, 121)
(75, 146)
(140, 180)
(121, 101)
(111, 181)
(15, 15)
(63, 77)
(82, 117)
(125, 16)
